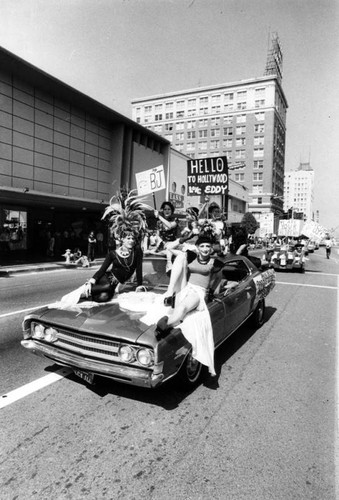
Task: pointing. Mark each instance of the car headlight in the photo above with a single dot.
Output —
(145, 357)
(126, 353)
(38, 331)
(51, 334)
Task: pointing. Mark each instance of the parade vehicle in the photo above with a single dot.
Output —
(289, 257)
(112, 340)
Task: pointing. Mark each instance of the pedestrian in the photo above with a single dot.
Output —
(91, 246)
(328, 245)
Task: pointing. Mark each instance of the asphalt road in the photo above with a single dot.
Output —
(267, 430)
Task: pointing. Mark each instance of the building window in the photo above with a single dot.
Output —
(215, 144)
(215, 132)
(191, 123)
(180, 125)
(179, 146)
(259, 128)
(148, 109)
(203, 111)
(158, 118)
(203, 122)
(258, 141)
(260, 93)
(228, 119)
(241, 119)
(169, 116)
(239, 176)
(240, 141)
(168, 127)
(257, 189)
(191, 135)
(183, 189)
(257, 176)
(260, 116)
(179, 136)
(158, 128)
(241, 130)
(258, 164)
(215, 109)
(216, 99)
(180, 114)
(192, 102)
(169, 105)
(257, 152)
(215, 122)
(138, 120)
(229, 96)
(228, 107)
(227, 143)
(180, 104)
(190, 146)
(174, 187)
(228, 131)
(169, 137)
(202, 133)
(240, 153)
(241, 95)
(259, 103)
(158, 107)
(259, 201)
(138, 111)
(202, 145)
(203, 100)
(241, 105)
(191, 112)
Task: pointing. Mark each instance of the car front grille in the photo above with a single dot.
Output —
(86, 345)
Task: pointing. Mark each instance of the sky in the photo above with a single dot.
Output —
(118, 50)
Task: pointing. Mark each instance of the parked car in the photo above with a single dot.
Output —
(107, 340)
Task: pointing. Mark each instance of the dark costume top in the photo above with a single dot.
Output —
(122, 268)
(165, 233)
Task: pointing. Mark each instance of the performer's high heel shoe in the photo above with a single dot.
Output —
(170, 301)
(162, 328)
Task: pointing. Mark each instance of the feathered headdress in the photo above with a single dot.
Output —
(126, 212)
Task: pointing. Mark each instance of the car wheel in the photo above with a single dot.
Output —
(258, 316)
(190, 372)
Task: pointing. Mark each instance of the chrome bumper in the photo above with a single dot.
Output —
(141, 377)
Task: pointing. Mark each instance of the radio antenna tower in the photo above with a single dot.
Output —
(274, 62)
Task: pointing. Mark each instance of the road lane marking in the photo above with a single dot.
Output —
(36, 385)
(306, 284)
(23, 311)
(321, 274)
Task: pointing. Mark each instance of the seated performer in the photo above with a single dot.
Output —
(128, 225)
(191, 275)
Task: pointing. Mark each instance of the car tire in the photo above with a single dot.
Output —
(190, 372)
(258, 316)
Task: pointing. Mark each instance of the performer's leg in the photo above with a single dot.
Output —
(190, 302)
(178, 267)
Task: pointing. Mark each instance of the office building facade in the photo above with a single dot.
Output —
(245, 121)
(299, 191)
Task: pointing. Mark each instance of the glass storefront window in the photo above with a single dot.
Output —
(13, 230)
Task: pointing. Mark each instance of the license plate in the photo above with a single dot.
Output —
(88, 377)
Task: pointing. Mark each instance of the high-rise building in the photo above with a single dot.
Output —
(299, 190)
(244, 121)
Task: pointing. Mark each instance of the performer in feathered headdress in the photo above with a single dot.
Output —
(126, 216)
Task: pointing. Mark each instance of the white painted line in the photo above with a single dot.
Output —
(305, 284)
(321, 274)
(36, 385)
(22, 311)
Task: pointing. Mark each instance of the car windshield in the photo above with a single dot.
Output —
(154, 271)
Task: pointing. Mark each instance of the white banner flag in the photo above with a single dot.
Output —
(150, 180)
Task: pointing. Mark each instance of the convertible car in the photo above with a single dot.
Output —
(111, 341)
(289, 257)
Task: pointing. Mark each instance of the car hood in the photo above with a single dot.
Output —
(104, 319)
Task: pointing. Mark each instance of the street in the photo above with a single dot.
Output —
(266, 430)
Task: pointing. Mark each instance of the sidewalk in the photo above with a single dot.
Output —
(9, 270)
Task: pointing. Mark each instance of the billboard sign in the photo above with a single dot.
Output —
(314, 231)
(266, 221)
(290, 227)
(176, 199)
(151, 180)
(207, 176)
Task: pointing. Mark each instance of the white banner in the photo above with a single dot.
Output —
(314, 231)
(266, 221)
(150, 180)
(290, 227)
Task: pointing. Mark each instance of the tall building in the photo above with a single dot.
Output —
(244, 120)
(299, 190)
